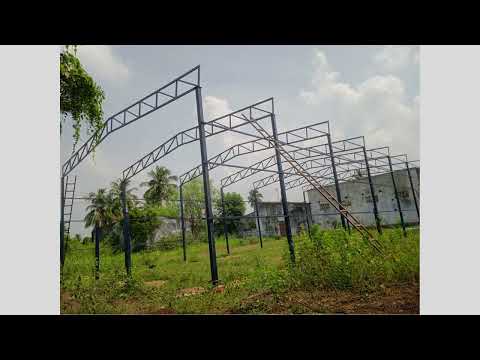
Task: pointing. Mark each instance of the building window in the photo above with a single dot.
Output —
(346, 203)
(324, 206)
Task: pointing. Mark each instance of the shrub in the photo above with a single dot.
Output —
(333, 259)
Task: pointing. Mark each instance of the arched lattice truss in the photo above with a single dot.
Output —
(302, 160)
(168, 93)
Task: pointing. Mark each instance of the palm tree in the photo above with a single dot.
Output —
(160, 185)
(115, 195)
(100, 212)
(252, 195)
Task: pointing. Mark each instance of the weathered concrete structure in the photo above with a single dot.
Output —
(271, 217)
(356, 197)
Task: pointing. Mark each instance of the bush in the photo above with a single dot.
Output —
(335, 260)
(143, 223)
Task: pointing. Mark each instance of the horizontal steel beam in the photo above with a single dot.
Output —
(293, 136)
(159, 98)
(188, 136)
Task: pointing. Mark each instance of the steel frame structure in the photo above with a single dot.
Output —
(312, 164)
(293, 136)
(228, 122)
(168, 93)
(331, 158)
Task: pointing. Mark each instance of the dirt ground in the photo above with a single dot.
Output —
(399, 299)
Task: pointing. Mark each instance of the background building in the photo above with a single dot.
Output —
(356, 197)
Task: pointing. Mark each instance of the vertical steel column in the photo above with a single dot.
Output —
(258, 223)
(396, 197)
(306, 214)
(206, 188)
(413, 191)
(335, 177)
(97, 251)
(372, 192)
(62, 222)
(126, 231)
(182, 223)
(291, 246)
(225, 232)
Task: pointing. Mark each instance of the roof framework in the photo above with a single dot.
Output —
(310, 166)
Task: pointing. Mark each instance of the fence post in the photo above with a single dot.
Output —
(291, 246)
(372, 192)
(335, 177)
(396, 196)
(182, 222)
(225, 232)
(126, 231)
(306, 214)
(97, 251)
(62, 222)
(413, 191)
(258, 223)
(206, 188)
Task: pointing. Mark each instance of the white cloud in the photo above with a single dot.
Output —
(102, 61)
(396, 57)
(377, 108)
(216, 107)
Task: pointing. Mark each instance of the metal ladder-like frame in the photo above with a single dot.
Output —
(68, 204)
(313, 181)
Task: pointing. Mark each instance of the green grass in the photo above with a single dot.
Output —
(331, 260)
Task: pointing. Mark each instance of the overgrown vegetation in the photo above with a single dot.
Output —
(256, 280)
(234, 206)
(335, 260)
(80, 96)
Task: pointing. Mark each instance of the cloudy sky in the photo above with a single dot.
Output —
(362, 90)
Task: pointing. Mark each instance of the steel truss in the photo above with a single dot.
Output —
(293, 136)
(299, 154)
(229, 122)
(172, 91)
(167, 94)
(302, 160)
(281, 152)
(217, 126)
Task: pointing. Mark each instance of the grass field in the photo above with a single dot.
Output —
(333, 273)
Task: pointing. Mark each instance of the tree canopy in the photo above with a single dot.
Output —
(161, 186)
(234, 206)
(80, 96)
(252, 195)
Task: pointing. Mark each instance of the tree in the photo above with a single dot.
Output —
(100, 212)
(116, 192)
(161, 185)
(144, 222)
(80, 96)
(193, 205)
(234, 206)
(252, 195)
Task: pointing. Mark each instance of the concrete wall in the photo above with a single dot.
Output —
(273, 226)
(357, 198)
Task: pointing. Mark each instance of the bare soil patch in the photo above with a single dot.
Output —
(397, 299)
(67, 301)
(191, 291)
(155, 283)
